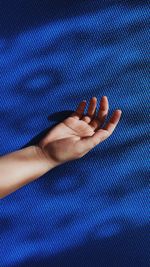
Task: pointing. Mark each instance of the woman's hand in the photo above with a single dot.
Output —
(71, 139)
(78, 134)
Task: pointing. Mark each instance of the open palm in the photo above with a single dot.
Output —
(79, 133)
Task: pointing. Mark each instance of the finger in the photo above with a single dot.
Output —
(87, 143)
(91, 110)
(111, 125)
(79, 111)
(97, 122)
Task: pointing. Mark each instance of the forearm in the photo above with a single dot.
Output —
(22, 167)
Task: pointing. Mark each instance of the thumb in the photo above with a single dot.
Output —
(90, 142)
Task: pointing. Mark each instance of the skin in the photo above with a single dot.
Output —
(69, 140)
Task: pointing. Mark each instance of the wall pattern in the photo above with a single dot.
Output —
(92, 211)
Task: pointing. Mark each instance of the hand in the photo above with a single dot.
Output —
(78, 134)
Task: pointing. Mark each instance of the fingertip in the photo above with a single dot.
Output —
(119, 111)
(104, 97)
(104, 101)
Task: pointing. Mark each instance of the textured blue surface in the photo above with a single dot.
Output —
(93, 211)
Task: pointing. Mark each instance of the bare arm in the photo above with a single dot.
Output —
(22, 167)
(69, 140)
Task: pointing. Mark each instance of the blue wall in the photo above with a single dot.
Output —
(94, 211)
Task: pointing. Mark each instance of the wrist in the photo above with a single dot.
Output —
(43, 157)
(22, 167)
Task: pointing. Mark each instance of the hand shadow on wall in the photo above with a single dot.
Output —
(57, 116)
